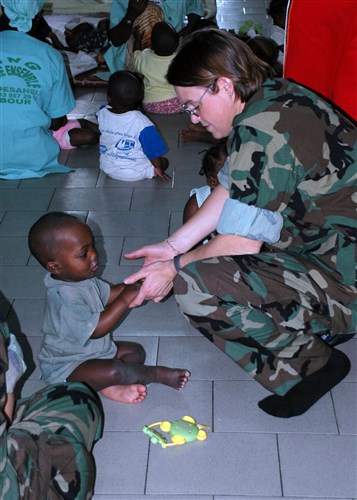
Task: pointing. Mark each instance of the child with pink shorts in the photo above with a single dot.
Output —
(71, 134)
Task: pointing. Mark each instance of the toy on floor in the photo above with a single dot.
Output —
(181, 431)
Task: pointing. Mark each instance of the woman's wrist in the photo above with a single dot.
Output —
(172, 247)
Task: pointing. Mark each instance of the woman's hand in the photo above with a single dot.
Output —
(152, 253)
(157, 281)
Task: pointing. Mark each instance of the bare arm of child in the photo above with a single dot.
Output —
(138, 38)
(57, 123)
(160, 165)
(190, 209)
(119, 299)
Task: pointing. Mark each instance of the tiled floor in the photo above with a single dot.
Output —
(247, 455)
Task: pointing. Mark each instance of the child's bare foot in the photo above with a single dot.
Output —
(173, 377)
(134, 393)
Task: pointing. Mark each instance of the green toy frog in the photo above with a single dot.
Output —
(184, 430)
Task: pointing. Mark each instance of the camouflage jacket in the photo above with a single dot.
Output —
(292, 152)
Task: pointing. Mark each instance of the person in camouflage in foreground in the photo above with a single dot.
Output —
(282, 270)
(45, 452)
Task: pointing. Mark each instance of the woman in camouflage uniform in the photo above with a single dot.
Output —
(45, 446)
(282, 270)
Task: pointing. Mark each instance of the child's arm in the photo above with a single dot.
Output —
(87, 124)
(190, 209)
(57, 123)
(160, 167)
(138, 38)
(119, 299)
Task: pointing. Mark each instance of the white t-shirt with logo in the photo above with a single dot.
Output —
(128, 142)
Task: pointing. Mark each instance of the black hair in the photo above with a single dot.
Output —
(125, 90)
(43, 235)
(277, 11)
(212, 160)
(265, 49)
(164, 39)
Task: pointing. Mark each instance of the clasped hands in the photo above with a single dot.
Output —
(156, 274)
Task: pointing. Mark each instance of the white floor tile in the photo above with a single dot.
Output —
(318, 465)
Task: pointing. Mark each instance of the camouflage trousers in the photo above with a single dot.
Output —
(264, 310)
(49, 443)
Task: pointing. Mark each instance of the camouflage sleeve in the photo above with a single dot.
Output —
(262, 167)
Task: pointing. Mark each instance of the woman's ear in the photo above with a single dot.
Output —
(226, 84)
(53, 267)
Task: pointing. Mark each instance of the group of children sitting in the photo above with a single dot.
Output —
(131, 147)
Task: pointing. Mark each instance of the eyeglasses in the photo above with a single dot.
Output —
(193, 110)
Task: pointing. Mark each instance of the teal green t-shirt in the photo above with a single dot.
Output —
(34, 88)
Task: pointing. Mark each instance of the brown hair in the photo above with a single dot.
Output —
(209, 54)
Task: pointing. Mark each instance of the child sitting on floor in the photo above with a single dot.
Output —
(131, 147)
(212, 162)
(153, 63)
(71, 134)
(80, 313)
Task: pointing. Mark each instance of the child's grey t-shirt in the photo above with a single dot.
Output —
(71, 315)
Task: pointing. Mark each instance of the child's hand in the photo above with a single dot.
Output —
(137, 33)
(130, 292)
(160, 173)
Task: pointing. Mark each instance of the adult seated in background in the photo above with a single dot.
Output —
(277, 11)
(281, 271)
(35, 90)
(45, 439)
(321, 49)
(125, 14)
(40, 29)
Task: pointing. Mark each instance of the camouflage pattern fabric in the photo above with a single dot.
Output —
(289, 151)
(46, 452)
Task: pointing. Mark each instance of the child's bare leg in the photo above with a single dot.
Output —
(130, 352)
(83, 137)
(103, 373)
(99, 375)
(173, 377)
